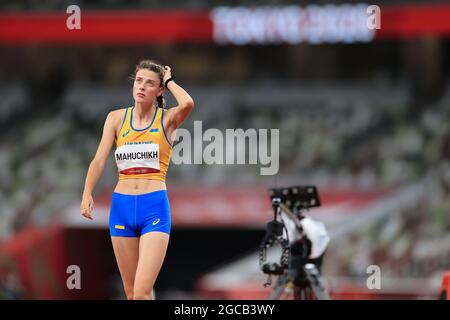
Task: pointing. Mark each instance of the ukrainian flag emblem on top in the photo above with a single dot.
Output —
(154, 130)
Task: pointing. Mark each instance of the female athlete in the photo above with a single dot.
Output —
(139, 221)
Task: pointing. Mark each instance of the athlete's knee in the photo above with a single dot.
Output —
(143, 294)
(129, 293)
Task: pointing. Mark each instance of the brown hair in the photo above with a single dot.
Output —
(155, 67)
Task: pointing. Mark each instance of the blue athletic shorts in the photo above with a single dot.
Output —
(134, 215)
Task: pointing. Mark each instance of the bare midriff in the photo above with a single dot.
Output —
(139, 186)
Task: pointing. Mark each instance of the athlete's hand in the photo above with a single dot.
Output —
(87, 203)
(167, 73)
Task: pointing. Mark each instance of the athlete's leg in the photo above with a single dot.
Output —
(126, 250)
(152, 251)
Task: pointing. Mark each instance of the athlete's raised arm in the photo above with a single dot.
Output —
(175, 116)
(97, 164)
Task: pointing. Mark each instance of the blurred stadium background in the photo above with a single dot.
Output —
(363, 114)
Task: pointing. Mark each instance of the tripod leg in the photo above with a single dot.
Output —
(316, 282)
(279, 288)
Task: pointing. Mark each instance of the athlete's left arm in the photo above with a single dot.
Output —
(175, 116)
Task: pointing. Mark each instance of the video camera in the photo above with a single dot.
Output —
(296, 198)
(288, 204)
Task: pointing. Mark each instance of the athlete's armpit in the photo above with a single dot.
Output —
(174, 117)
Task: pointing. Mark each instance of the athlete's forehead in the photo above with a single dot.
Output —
(146, 74)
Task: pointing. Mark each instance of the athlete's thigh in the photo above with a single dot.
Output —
(152, 251)
(126, 250)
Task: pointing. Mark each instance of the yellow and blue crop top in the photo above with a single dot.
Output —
(143, 153)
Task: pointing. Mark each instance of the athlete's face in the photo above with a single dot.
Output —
(147, 86)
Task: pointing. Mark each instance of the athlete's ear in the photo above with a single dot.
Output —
(160, 91)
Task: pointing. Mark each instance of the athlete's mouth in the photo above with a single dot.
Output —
(140, 95)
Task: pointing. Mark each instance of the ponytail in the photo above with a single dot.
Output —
(160, 101)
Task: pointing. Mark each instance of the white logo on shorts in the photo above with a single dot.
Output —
(155, 222)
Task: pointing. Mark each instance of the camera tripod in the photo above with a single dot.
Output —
(298, 275)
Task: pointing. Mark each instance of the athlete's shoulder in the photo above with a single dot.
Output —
(116, 115)
(115, 118)
(119, 111)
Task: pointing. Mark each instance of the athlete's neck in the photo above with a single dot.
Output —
(143, 112)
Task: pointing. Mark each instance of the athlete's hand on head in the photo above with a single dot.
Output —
(87, 203)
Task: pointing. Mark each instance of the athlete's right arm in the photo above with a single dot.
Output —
(97, 164)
